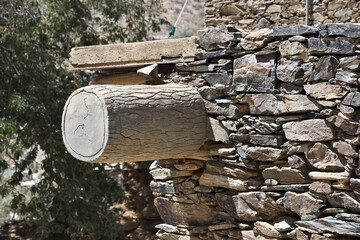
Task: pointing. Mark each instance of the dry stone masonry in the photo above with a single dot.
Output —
(257, 14)
(283, 156)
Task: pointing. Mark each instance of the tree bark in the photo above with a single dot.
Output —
(105, 123)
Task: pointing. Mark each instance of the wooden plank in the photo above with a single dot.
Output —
(130, 78)
(133, 54)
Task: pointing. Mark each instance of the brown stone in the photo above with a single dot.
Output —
(320, 188)
(325, 91)
(345, 149)
(176, 213)
(342, 199)
(325, 69)
(312, 130)
(266, 229)
(294, 50)
(306, 206)
(321, 157)
(285, 175)
(265, 153)
(216, 180)
(256, 39)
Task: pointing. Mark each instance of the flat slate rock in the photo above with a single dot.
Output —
(332, 225)
(294, 30)
(350, 30)
(331, 46)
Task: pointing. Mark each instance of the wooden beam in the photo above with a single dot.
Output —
(130, 78)
(126, 55)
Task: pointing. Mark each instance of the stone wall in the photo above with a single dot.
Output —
(255, 14)
(284, 113)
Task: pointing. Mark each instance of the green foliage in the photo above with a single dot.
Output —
(72, 197)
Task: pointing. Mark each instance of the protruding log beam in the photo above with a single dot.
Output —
(133, 54)
(104, 123)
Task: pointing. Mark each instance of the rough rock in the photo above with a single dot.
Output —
(331, 46)
(332, 225)
(250, 206)
(216, 180)
(320, 188)
(308, 130)
(349, 217)
(293, 50)
(325, 91)
(325, 69)
(262, 124)
(345, 149)
(215, 38)
(330, 176)
(352, 99)
(343, 29)
(350, 63)
(167, 173)
(268, 104)
(265, 153)
(256, 39)
(345, 124)
(343, 200)
(162, 187)
(294, 30)
(176, 213)
(171, 236)
(267, 140)
(266, 229)
(285, 175)
(217, 78)
(231, 111)
(303, 204)
(288, 187)
(211, 93)
(217, 132)
(347, 77)
(355, 185)
(290, 71)
(322, 158)
(254, 73)
(296, 161)
(232, 171)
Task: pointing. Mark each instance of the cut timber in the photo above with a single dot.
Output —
(130, 78)
(104, 123)
(133, 54)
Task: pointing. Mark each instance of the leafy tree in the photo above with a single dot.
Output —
(72, 198)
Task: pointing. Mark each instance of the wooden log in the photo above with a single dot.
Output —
(133, 54)
(104, 123)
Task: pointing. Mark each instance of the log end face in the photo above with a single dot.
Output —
(85, 125)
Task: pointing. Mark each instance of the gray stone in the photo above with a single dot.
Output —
(343, 200)
(349, 217)
(285, 175)
(274, 8)
(297, 39)
(289, 118)
(167, 173)
(331, 46)
(267, 140)
(319, 187)
(265, 153)
(352, 99)
(162, 187)
(344, 123)
(173, 212)
(211, 93)
(343, 29)
(296, 161)
(355, 186)
(214, 38)
(294, 30)
(293, 50)
(350, 63)
(254, 73)
(312, 130)
(303, 204)
(344, 15)
(286, 187)
(256, 39)
(289, 88)
(167, 228)
(347, 77)
(325, 69)
(332, 225)
(262, 124)
(322, 158)
(171, 236)
(217, 78)
(250, 206)
(213, 54)
(200, 68)
(284, 223)
(268, 104)
(231, 111)
(325, 91)
(232, 171)
(217, 132)
(290, 71)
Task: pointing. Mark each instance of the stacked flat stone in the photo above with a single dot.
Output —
(256, 14)
(284, 113)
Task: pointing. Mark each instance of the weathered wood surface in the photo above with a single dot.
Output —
(130, 78)
(133, 54)
(134, 123)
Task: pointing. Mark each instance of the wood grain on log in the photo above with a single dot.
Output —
(104, 123)
(133, 54)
